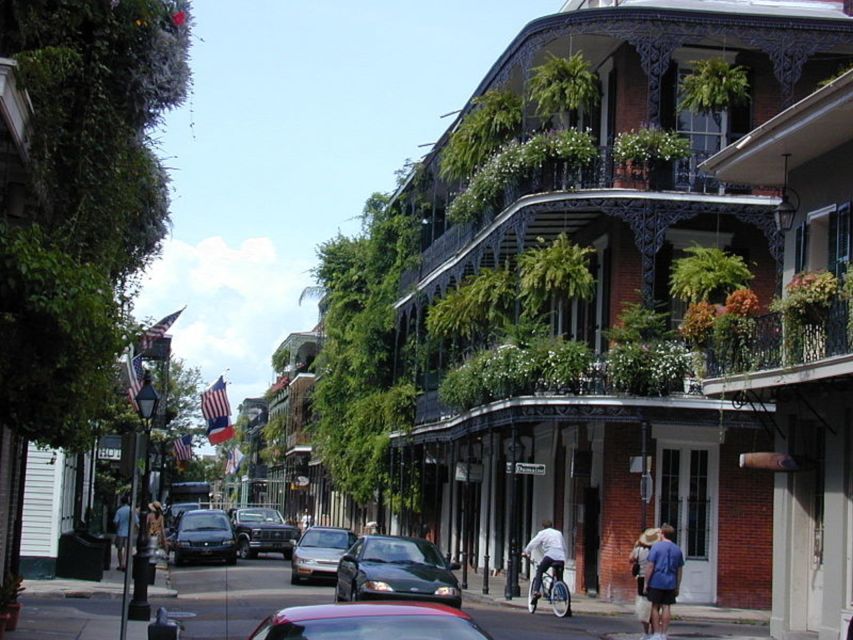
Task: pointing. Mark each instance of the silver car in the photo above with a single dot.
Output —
(318, 551)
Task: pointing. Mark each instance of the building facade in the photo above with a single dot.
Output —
(602, 460)
(803, 360)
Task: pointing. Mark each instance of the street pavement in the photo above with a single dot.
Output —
(66, 623)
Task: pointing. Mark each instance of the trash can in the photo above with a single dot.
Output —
(104, 541)
(80, 558)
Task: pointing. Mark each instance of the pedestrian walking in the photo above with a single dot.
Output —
(662, 580)
(305, 522)
(121, 520)
(639, 559)
(156, 526)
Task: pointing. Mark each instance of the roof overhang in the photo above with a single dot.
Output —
(815, 125)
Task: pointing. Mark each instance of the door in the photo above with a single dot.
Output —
(686, 484)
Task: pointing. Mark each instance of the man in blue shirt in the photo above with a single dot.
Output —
(663, 578)
(122, 522)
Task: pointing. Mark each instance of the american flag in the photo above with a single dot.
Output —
(215, 409)
(183, 448)
(135, 375)
(214, 401)
(157, 331)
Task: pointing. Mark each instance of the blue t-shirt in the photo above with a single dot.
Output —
(667, 558)
(122, 521)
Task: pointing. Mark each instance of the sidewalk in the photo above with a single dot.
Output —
(59, 622)
(585, 605)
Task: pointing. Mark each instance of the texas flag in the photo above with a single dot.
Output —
(217, 412)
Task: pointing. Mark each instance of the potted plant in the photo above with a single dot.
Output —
(561, 85)
(708, 273)
(734, 331)
(803, 308)
(495, 119)
(10, 589)
(713, 85)
(637, 152)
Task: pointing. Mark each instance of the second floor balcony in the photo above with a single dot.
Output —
(785, 349)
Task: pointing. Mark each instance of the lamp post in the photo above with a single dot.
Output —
(139, 609)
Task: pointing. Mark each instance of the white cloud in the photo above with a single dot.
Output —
(241, 303)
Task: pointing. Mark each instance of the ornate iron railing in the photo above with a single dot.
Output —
(682, 175)
(776, 343)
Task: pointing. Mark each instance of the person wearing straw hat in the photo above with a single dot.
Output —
(638, 559)
(156, 525)
(663, 578)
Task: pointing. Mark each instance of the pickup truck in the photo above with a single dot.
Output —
(263, 529)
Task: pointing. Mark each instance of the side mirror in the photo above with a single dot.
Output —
(455, 566)
(347, 557)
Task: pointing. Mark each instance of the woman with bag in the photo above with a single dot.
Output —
(638, 558)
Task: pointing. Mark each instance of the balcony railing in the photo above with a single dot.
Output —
(776, 344)
(682, 176)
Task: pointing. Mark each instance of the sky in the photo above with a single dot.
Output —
(299, 110)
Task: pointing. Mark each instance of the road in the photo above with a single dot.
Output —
(217, 602)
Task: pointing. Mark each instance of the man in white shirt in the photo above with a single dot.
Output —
(554, 551)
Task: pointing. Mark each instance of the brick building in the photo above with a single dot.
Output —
(604, 462)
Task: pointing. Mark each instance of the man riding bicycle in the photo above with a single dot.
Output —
(553, 547)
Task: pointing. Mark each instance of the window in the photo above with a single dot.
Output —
(839, 240)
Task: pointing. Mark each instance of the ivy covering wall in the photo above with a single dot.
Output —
(99, 75)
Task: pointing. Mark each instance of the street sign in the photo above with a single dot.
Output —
(526, 469)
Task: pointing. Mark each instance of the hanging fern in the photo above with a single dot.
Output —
(496, 119)
(563, 84)
(714, 85)
(560, 269)
(707, 272)
(480, 301)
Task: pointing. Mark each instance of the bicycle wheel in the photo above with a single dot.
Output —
(561, 599)
(531, 601)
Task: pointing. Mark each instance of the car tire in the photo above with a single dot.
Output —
(245, 550)
(294, 579)
(231, 560)
(288, 554)
(179, 559)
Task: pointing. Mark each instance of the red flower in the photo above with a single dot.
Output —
(179, 18)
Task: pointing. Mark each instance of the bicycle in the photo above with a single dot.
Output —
(556, 591)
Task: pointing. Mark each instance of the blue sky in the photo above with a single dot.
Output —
(300, 110)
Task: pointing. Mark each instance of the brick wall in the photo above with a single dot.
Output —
(626, 279)
(745, 533)
(631, 90)
(745, 552)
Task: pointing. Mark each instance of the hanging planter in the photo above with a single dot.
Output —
(561, 85)
(714, 85)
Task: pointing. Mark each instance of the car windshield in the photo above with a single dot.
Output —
(204, 522)
(403, 552)
(270, 516)
(328, 539)
(380, 628)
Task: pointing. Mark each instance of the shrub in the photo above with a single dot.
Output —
(648, 145)
(563, 363)
(645, 369)
(743, 303)
(697, 328)
(734, 337)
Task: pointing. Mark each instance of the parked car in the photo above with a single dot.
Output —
(396, 568)
(204, 534)
(318, 552)
(263, 529)
(375, 620)
(173, 513)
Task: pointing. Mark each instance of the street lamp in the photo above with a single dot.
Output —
(785, 211)
(139, 609)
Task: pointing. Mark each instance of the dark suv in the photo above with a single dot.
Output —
(263, 529)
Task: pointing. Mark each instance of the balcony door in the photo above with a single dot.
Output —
(687, 476)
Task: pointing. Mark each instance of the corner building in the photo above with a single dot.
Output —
(585, 448)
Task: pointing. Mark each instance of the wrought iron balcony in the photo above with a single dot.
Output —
(682, 176)
(776, 344)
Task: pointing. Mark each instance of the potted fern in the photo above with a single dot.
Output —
(562, 85)
(495, 120)
(10, 608)
(713, 85)
(708, 273)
